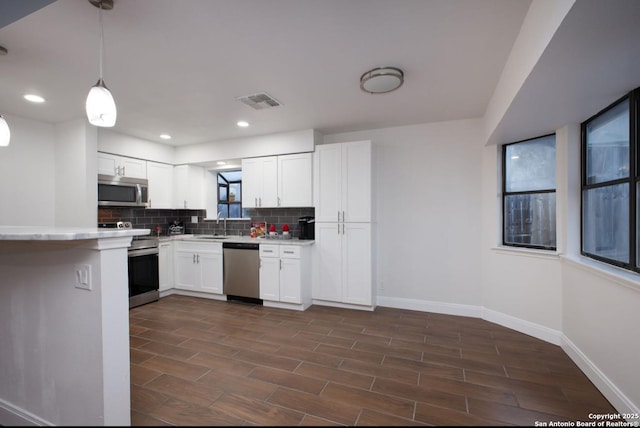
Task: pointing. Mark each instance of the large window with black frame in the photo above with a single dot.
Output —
(529, 193)
(610, 184)
(230, 194)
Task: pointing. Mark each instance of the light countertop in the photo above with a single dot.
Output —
(236, 239)
(44, 233)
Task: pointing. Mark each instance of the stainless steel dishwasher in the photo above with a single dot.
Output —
(241, 271)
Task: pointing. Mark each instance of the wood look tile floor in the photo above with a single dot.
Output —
(205, 362)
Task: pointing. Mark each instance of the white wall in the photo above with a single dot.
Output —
(27, 174)
(76, 168)
(125, 145)
(263, 145)
(427, 191)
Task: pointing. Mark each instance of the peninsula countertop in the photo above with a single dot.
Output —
(47, 233)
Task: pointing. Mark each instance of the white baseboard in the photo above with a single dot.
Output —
(11, 415)
(532, 329)
(427, 306)
(616, 397)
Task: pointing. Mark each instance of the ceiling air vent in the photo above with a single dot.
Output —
(260, 101)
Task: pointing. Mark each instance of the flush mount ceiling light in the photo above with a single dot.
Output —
(34, 98)
(5, 134)
(381, 80)
(101, 108)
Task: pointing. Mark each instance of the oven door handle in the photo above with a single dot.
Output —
(142, 252)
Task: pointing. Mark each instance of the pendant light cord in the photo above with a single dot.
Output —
(101, 37)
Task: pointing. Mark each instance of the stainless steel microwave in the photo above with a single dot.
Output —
(114, 191)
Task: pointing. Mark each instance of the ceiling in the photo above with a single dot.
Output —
(178, 67)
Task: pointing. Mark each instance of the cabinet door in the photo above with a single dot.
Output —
(290, 275)
(160, 176)
(270, 278)
(357, 264)
(356, 185)
(251, 182)
(135, 168)
(327, 181)
(327, 269)
(165, 265)
(187, 273)
(108, 164)
(188, 187)
(268, 197)
(211, 264)
(295, 180)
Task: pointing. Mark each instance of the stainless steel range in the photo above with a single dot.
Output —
(142, 265)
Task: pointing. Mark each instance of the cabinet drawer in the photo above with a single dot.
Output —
(289, 252)
(269, 250)
(198, 247)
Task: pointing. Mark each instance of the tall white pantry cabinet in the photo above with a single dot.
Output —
(343, 262)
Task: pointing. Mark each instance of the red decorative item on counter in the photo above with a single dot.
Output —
(272, 228)
(285, 227)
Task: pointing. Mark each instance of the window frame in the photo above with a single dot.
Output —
(506, 194)
(632, 181)
(228, 186)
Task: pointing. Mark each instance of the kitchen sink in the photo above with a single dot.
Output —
(212, 237)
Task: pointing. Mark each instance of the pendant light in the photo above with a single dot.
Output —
(101, 108)
(5, 134)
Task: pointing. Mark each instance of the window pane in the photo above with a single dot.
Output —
(530, 219)
(223, 193)
(531, 165)
(235, 189)
(605, 222)
(608, 145)
(234, 211)
(223, 209)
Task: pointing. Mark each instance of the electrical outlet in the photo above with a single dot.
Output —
(194, 219)
(381, 285)
(83, 276)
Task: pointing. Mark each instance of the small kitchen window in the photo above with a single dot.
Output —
(230, 195)
(529, 193)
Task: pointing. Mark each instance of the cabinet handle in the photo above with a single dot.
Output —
(288, 252)
(256, 201)
(123, 174)
(342, 215)
(267, 251)
(338, 228)
(343, 228)
(280, 264)
(185, 203)
(260, 200)
(338, 215)
(198, 258)
(278, 200)
(194, 258)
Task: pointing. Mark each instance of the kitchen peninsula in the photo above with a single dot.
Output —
(64, 358)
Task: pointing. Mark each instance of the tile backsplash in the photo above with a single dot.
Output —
(143, 218)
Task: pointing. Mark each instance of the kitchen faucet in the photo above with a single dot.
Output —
(224, 222)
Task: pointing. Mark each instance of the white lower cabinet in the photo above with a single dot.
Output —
(285, 276)
(165, 266)
(343, 264)
(198, 266)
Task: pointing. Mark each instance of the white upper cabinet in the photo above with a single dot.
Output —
(295, 187)
(121, 166)
(160, 176)
(277, 181)
(342, 182)
(188, 187)
(260, 182)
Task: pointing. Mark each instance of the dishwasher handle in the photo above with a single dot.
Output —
(241, 245)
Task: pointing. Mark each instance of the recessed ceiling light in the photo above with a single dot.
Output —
(221, 163)
(165, 136)
(242, 124)
(34, 98)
